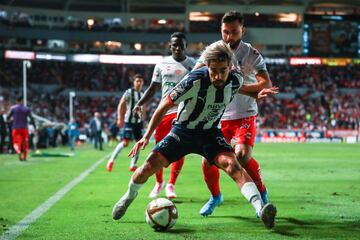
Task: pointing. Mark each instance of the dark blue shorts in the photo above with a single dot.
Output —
(132, 131)
(180, 142)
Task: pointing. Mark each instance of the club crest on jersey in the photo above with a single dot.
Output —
(178, 72)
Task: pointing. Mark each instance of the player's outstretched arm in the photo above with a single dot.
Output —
(149, 93)
(121, 110)
(261, 94)
(263, 81)
(159, 113)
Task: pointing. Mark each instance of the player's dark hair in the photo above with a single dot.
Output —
(178, 35)
(19, 99)
(233, 16)
(138, 75)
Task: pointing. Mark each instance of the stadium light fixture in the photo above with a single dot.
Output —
(90, 22)
(162, 21)
(71, 105)
(26, 65)
(138, 46)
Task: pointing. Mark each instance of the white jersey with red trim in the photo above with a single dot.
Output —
(249, 62)
(169, 72)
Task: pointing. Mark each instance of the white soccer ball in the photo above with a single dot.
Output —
(161, 214)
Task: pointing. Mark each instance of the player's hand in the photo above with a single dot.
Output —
(140, 145)
(266, 91)
(137, 110)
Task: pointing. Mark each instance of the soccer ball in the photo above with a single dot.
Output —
(161, 214)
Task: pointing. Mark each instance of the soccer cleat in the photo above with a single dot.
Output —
(267, 215)
(170, 191)
(156, 190)
(264, 197)
(132, 169)
(210, 206)
(109, 165)
(121, 206)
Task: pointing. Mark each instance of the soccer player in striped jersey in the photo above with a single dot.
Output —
(131, 123)
(239, 120)
(202, 96)
(166, 75)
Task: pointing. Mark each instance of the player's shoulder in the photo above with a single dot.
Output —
(236, 76)
(195, 75)
(190, 60)
(167, 59)
(246, 47)
(127, 91)
(198, 73)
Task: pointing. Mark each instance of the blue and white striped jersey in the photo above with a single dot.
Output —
(131, 98)
(201, 105)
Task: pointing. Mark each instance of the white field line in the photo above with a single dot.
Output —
(18, 228)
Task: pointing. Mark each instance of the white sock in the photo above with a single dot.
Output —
(251, 193)
(135, 159)
(133, 189)
(117, 150)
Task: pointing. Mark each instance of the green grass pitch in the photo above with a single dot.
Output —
(316, 188)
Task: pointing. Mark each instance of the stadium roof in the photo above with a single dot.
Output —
(152, 6)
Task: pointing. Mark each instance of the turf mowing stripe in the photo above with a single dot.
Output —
(17, 229)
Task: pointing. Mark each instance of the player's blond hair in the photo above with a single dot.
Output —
(218, 51)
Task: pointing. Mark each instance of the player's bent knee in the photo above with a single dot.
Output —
(126, 143)
(243, 157)
(231, 167)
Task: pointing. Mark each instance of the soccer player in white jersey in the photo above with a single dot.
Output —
(166, 75)
(131, 123)
(239, 120)
(203, 95)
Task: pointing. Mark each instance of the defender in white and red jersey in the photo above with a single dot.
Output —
(166, 75)
(239, 120)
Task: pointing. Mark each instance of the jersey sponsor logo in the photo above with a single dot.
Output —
(216, 106)
(170, 84)
(245, 125)
(214, 111)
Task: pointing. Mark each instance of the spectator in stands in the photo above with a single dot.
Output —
(96, 127)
